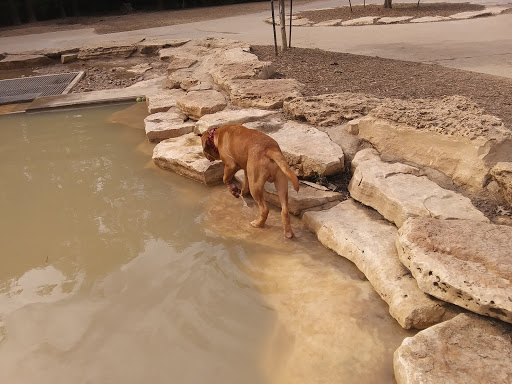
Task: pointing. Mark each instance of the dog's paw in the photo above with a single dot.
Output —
(257, 224)
(235, 191)
(289, 235)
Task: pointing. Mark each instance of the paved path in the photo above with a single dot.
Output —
(481, 45)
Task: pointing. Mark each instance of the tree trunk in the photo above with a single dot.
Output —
(15, 16)
(387, 4)
(160, 5)
(282, 22)
(29, 5)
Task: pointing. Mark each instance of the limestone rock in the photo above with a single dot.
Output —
(196, 104)
(330, 109)
(307, 197)
(429, 19)
(329, 23)
(162, 101)
(502, 173)
(232, 116)
(153, 45)
(393, 20)
(165, 125)
(464, 350)
(266, 94)
(365, 238)
(23, 61)
(367, 20)
(190, 80)
(398, 191)
(139, 69)
(224, 74)
(184, 156)
(68, 58)
(108, 48)
(471, 14)
(180, 63)
(452, 135)
(300, 144)
(464, 262)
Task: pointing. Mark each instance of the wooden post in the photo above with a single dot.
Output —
(274, 24)
(282, 22)
(290, 36)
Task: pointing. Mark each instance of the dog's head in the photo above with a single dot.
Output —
(210, 151)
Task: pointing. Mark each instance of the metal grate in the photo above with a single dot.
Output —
(28, 88)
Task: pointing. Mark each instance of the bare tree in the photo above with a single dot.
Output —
(387, 4)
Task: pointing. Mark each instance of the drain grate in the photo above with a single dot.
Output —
(28, 88)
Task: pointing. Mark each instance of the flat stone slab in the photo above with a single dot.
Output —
(224, 74)
(367, 20)
(394, 20)
(471, 14)
(180, 63)
(398, 191)
(108, 48)
(232, 116)
(153, 45)
(301, 144)
(196, 104)
(502, 173)
(330, 109)
(165, 125)
(452, 135)
(365, 238)
(463, 262)
(184, 156)
(163, 100)
(139, 69)
(265, 94)
(189, 80)
(23, 61)
(307, 198)
(429, 19)
(464, 350)
(329, 23)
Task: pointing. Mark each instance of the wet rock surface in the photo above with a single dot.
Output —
(466, 349)
(368, 240)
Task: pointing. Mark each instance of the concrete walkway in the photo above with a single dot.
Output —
(482, 45)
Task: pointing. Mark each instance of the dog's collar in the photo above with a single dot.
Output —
(211, 139)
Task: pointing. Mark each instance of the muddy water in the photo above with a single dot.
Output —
(114, 271)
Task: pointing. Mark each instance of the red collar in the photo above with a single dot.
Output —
(211, 139)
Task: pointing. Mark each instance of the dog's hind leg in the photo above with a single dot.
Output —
(257, 195)
(245, 184)
(281, 183)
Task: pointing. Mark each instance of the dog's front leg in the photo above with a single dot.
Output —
(230, 169)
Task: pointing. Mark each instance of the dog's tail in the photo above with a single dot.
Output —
(276, 155)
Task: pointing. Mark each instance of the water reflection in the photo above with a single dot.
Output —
(113, 270)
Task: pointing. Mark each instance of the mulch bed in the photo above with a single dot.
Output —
(399, 9)
(324, 72)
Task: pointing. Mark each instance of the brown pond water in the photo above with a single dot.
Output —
(114, 271)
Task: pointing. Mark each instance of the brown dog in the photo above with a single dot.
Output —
(261, 159)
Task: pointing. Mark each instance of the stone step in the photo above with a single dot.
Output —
(307, 197)
(166, 125)
(163, 100)
(465, 349)
(184, 156)
(365, 238)
(232, 116)
(452, 135)
(398, 191)
(300, 144)
(196, 104)
(463, 262)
